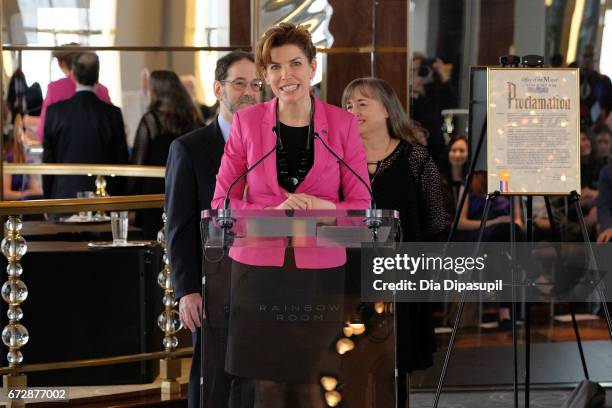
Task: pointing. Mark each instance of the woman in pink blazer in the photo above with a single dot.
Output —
(288, 69)
(283, 360)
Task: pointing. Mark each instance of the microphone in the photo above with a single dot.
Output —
(373, 215)
(224, 215)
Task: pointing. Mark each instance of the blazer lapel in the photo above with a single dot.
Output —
(268, 141)
(321, 155)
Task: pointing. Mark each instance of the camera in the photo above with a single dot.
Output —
(426, 67)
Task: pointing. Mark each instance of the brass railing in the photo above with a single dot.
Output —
(130, 358)
(14, 291)
(366, 49)
(71, 169)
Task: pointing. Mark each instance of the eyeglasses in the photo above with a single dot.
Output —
(241, 84)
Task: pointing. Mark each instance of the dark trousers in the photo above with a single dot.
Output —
(218, 385)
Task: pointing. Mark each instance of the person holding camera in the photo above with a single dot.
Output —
(431, 93)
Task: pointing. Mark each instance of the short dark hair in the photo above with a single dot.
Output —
(224, 63)
(86, 68)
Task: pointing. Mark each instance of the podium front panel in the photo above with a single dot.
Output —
(296, 325)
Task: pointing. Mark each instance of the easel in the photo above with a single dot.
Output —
(529, 61)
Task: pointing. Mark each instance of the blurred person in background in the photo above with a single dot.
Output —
(602, 142)
(83, 129)
(595, 91)
(18, 186)
(208, 112)
(171, 113)
(66, 87)
(431, 93)
(454, 172)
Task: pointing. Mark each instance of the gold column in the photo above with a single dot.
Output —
(169, 322)
(14, 292)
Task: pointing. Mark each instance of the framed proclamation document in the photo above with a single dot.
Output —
(533, 131)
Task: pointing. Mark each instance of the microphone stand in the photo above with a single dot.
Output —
(224, 215)
(373, 215)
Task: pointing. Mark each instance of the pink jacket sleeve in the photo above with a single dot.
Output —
(43, 111)
(356, 196)
(233, 164)
(102, 93)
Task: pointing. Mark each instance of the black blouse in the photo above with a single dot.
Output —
(293, 162)
(408, 181)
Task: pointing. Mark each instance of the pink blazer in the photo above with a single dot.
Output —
(251, 137)
(61, 90)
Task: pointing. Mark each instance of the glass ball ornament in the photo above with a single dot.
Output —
(169, 321)
(13, 223)
(168, 300)
(100, 182)
(14, 247)
(14, 357)
(14, 269)
(14, 313)
(15, 335)
(163, 280)
(170, 342)
(14, 291)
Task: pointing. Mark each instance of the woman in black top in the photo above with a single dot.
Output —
(404, 178)
(170, 114)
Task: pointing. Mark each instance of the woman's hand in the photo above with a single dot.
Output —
(300, 201)
(294, 202)
(320, 204)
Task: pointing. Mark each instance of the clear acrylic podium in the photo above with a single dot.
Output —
(294, 313)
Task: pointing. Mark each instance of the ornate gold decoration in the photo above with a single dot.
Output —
(333, 398)
(101, 187)
(14, 291)
(344, 345)
(168, 321)
(329, 383)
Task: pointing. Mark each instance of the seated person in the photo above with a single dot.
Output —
(18, 186)
(602, 138)
(454, 173)
(498, 220)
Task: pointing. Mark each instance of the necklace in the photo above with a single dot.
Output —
(383, 163)
(385, 153)
(289, 181)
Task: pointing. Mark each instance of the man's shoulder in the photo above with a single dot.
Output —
(59, 107)
(93, 100)
(200, 136)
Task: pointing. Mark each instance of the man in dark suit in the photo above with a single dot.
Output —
(83, 129)
(193, 163)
